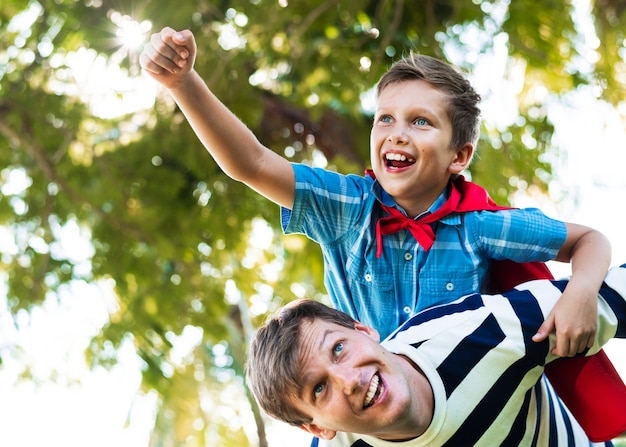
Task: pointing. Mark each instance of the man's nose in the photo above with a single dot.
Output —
(349, 379)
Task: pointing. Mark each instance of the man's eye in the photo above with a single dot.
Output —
(317, 390)
(338, 348)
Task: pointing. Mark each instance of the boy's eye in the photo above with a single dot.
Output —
(338, 348)
(385, 119)
(421, 121)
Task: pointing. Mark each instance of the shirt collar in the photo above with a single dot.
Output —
(383, 197)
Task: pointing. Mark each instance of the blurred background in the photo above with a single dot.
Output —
(132, 270)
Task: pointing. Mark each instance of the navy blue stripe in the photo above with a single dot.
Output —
(530, 316)
(618, 305)
(538, 403)
(471, 350)
(488, 409)
(518, 428)
(360, 443)
(552, 439)
(491, 405)
(470, 303)
(560, 284)
(566, 419)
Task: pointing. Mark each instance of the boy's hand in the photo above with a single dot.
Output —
(574, 322)
(169, 56)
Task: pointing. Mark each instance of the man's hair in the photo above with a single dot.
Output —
(273, 369)
(462, 109)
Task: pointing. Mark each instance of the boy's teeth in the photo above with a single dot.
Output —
(396, 157)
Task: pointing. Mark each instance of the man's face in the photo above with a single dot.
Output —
(410, 144)
(351, 383)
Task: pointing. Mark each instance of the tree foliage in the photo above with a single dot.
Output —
(184, 245)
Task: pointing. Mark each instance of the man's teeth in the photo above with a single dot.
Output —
(397, 157)
(372, 391)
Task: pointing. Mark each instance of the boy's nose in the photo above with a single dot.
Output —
(397, 136)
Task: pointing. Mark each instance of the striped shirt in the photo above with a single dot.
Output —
(340, 213)
(486, 372)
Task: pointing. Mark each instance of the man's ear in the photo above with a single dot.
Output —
(373, 333)
(461, 159)
(318, 431)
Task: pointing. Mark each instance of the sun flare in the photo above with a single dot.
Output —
(130, 33)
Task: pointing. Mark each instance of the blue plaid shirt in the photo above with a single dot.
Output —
(339, 212)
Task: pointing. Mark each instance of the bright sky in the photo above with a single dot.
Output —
(103, 408)
(592, 168)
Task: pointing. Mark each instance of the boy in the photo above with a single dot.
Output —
(423, 137)
(464, 373)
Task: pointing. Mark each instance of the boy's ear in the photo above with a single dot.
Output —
(461, 159)
(318, 431)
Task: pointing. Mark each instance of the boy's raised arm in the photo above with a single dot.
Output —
(169, 58)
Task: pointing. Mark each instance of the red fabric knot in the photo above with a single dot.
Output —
(420, 228)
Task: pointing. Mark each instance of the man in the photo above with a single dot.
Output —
(460, 374)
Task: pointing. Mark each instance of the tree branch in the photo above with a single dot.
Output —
(16, 139)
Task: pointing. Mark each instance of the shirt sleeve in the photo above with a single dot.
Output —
(326, 204)
(521, 235)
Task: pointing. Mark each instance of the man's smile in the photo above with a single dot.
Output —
(375, 390)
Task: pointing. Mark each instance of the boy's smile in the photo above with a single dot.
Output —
(410, 144)
(398, 160)
(351, 382)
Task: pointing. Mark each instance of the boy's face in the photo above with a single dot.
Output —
(351, 383)
(410, 144)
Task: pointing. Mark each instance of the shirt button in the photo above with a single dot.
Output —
(449, 287)
(408, 256)
(406, 309)
(368, 277)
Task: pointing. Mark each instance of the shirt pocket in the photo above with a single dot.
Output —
(445, 285)
(373, 296)
(370, 273)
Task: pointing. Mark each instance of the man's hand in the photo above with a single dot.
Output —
(169, 56)
(574, 322)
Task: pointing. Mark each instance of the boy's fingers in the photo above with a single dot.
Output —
(155, 59)
(179, 41)
(148, 65)
(180, 37)
(162, 54)
(163, 44)
(544, 330)
(563, 348)
(566, 347)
